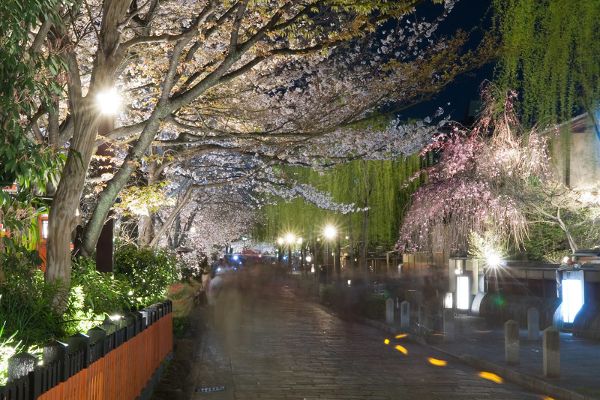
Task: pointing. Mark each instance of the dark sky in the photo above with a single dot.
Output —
(471, 16)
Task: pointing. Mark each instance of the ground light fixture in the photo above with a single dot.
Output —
(108, 101)
(493, 259)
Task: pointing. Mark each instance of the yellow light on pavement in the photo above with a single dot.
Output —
(402, 349)
(491, 377)
(437, 362)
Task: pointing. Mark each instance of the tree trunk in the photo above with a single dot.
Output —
(62, 218)
(108, 196)
(66, 200)
(183, 201)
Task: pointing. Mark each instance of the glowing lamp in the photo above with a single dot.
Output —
(108, 101)
(290, 238)
(329, 232)
(493, 259)
(572, 293)
(462, 292)
(448, 300)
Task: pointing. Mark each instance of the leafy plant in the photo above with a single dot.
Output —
(147, 271)
(102, 292)
(26, 301)
(9, 346)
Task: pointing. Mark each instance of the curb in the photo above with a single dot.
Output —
(526, 381)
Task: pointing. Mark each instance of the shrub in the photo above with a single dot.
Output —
(26, 300)
(147, 271)
(9, 346)
(103, 292)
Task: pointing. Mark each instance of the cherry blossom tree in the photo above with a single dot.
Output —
(470, 189)
(201, 76)
(495, 180)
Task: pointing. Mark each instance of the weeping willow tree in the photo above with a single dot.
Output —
(381, 189)
(550, 56)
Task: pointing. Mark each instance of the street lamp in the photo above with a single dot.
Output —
(330, 233)
(290, 240)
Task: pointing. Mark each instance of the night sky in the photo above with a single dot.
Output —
(471, 16)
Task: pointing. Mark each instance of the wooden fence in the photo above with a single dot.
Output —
(115, 361)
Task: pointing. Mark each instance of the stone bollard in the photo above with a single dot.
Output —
(405, 315)
(551, 352)
(20, 365)
(389, 311)
(511, 342)
(449, 327)
(533, 324)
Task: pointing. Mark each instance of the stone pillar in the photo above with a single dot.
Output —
(389, 311)
(511, 342)
(449, 330)
(405, 315)
(20, 365)
(533, 324)
(551, 352)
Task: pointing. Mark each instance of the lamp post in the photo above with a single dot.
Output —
(290, 239)
(330, 233)
(280, 243)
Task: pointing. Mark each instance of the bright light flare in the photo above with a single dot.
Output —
(308, 258)
(386, 341)
(290, 238)
(280, 241)
(437, 362)
(401, 335)
(493, 259)
(573, 299)
(109, 101)
(490, 376)
(401, 349)
(329, 232)
(115, 317)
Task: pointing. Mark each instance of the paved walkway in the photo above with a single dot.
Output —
(580, 358)
(280, 347)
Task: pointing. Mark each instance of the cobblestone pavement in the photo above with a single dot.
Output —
(579, 358)
(281, 347)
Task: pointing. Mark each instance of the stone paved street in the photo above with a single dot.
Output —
(282, 347)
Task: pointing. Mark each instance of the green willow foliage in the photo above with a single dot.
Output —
(382, 186)
(550, 55)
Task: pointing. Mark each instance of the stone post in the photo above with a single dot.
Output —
(551, 352)
(511, 342)
(20, 365)
(405, 315)
(389, 311)
(533, 324)
(449, 330)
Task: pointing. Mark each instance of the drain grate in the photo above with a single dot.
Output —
(210, 389)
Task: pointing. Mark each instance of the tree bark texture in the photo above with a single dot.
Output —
(62, 218)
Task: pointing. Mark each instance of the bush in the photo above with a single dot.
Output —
(26, 300)
(147, 271)
(102, 292)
